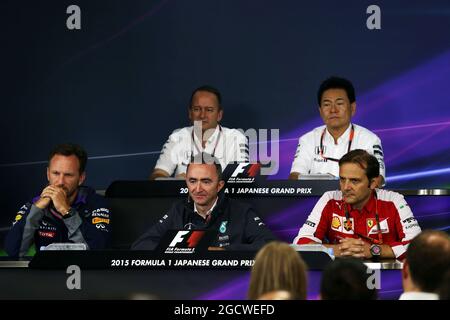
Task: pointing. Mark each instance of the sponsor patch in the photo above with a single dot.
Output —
(370, 224)
(310, 223)
(224, 238)
(341, 224)
(100, 220)
(46, 234)
(223, 227)
(100, 226)
(101, 212)
(414, 225)
(348, 224)
(336, 223)
(163, 218)
(17, 218)
(410, 220)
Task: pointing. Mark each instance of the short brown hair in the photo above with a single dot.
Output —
(365, 160)
(69, 149)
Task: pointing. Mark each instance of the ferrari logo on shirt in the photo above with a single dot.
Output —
(372, 226)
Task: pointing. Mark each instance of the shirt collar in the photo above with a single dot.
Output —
(343, 138)
(370, 205)
(210, 210)
(211, 139)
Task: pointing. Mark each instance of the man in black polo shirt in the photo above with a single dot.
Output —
(237, 225)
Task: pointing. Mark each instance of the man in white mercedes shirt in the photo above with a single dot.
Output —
(319, 151)
(206, 135)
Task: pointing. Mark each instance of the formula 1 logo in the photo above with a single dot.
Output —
(185, 241)
(245, 172)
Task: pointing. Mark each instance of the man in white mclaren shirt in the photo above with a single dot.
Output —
(319, 151)
(206, 135)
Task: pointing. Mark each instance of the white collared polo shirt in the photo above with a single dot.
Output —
(227, 145)
(309, 161)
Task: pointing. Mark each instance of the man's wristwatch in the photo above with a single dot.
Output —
(69, 213)
(375, 251)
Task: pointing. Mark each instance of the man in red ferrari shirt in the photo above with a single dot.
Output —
(360, 220)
